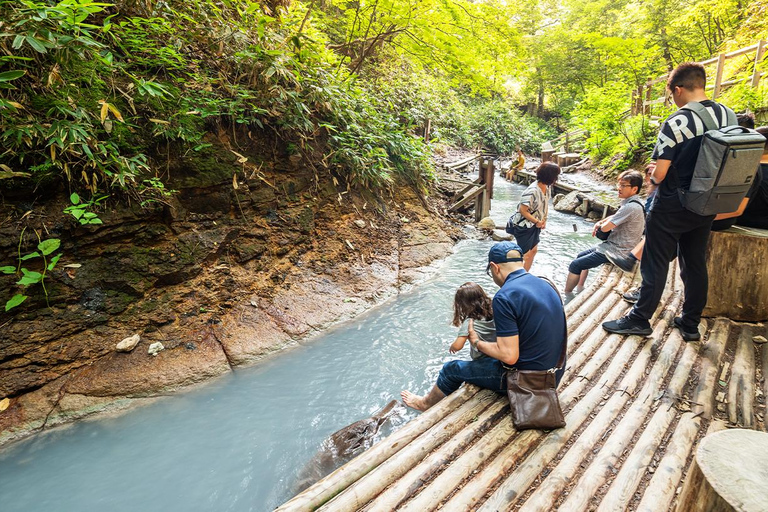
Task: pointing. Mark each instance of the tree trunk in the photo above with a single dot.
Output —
(738, 276)
(728, 473)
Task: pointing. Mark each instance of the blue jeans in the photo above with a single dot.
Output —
(485, 372)
(586, 260)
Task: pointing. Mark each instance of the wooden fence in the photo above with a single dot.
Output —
(642, 97)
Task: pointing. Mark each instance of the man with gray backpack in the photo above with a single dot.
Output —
(705, 165)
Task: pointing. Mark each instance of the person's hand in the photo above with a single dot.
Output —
(540, 224)
(598, 225)
(457, 345)
(473, 337)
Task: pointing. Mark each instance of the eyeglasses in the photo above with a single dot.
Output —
(488, 270)
(622, 185)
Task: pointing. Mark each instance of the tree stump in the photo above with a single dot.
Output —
(546, 155)
(738, 274)
(728, 473)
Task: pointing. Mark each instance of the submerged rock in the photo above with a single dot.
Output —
(128, 343)
(343, 445)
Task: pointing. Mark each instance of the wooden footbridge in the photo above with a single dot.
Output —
(635, 410)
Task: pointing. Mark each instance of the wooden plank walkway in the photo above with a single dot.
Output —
(635, 410)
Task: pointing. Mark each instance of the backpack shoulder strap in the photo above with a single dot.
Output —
(701, 111)
(731, 116)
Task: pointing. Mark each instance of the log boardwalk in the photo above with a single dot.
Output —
(635, 408)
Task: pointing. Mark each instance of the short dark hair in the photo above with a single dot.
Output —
(747, 120)
(633, 177)
(763, 130)
(688, 75)
(547, 173)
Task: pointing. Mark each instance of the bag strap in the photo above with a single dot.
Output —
(701, 111)
(709, 122)
(639, 203)
(561, 359)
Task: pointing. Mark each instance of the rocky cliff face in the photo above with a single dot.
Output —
(220, 276)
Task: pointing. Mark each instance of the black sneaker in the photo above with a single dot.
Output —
(625, 263)
(626, 325)
(632, 295)
(686, 334)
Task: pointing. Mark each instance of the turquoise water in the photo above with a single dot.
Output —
(238, 443)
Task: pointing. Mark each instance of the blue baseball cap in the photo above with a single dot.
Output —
(499, 251)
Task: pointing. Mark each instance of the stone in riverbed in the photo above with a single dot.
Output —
(593, 215)
(128, 343)
(155, 348)
(570, 202)
(500, 235)
(759, 339)
(488, 224)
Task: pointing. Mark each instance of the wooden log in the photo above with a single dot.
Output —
(728, 473)
(662, 488)
(741, 385)
(469, 186)
(622, 489)
(462, 182)
(460, 164)
(711, 354)
(481, 205)
(331, 485)
(738, 276)
(468, 197)
(461, 468)
(759, 53)
(764, 358)
(546, 155)
(438, 460)
(575, 304)
(467, 421)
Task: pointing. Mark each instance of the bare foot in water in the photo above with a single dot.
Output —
(413, 401)
(422, 403)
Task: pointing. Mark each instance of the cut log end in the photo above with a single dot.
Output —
(728, 473)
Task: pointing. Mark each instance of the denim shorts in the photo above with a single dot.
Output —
(586, 260)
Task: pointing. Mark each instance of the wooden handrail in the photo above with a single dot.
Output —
(641, 97)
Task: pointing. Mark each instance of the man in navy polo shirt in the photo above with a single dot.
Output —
(530, 331)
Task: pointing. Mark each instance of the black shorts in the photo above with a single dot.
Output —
(526, 238)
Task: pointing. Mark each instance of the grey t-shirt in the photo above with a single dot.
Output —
(486, 331)
(630, 222)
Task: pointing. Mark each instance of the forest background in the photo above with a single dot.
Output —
(101, 95)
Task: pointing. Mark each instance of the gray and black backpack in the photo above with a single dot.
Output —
(725, 167)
